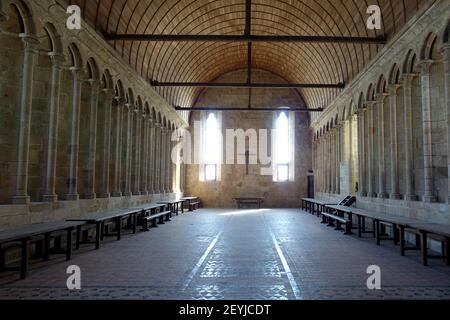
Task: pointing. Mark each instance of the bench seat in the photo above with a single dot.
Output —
(330, 219)
(159, 218)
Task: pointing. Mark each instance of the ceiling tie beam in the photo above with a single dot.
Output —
(222, 85)
(250, 110)
(244, 38)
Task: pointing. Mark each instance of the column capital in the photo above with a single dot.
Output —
(56, 58)
(394, 87)
(380, 97)
(371, 104)
(94, 83)
(445, 51)
(408, 78)
(425, 67)
(30, 42)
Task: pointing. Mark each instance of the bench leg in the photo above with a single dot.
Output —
(377, 232)
(424, 247)
(338, 226)
(119, 228)
(168, 217)
(98, 233)
(135, 218)
(395, 231)
(359, 227)
(402, 240)
(324, 220)
(69, 245)
(447, 250)
(330, 222)
(78, 238)
(2, 258)
(24, 260)
(348, 228)
(161, 220)
(46, 246)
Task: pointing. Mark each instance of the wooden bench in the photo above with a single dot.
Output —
(25, 235)
(314, 206)
(330, 219)
(99, 220)
(175, 206)
(249, 201)
(193, 203)
(155, 219)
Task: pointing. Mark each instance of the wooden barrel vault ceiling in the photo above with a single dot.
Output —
(206, 61)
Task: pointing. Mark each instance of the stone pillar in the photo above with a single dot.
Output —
(74, 146)
(338, 159)
(361, 153)
(144, 157)
(371, 150)
(157, 158)
(93, 108)
(108, 95)
(52, 135)
(118, 152)
(163, 162)
(395, 184)
(329, 164)
(129, 147)
(425, 74)
(137, 154)
(151, 164)
(333, 160)
(381, 104)
(446, 55)
(410, 193)
(169, 162)
(26, 95)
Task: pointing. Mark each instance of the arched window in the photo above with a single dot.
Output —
(282, 147)
(210, 149)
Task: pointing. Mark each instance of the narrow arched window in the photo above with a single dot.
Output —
(282, 147)
(210, 148)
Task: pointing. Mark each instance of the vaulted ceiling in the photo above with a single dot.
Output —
(205, 61)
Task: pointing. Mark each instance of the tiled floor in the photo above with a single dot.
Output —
(230, 254)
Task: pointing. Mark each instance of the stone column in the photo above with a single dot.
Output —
(172, 165)
(395, 184)
(144, 156)
(137, 154)
(338, 159)
(410, 193)
(425, 74)
(129, 147)
(108, 95)
(169, 162)
(118, 152)
(157, 157)
(52, 135)
(361, 153)
(381, 104)
(329, 164)
(371, 150)
(446, 55)
(152, 145)
(333, 160)
(26, 95)
(93, 111)
(74, 146)
(163, 176)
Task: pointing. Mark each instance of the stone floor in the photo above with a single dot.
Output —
(236, 254)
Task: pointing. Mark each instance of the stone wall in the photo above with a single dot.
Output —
(235, 182)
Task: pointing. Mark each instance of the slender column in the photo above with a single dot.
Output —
(74, 136)
(169, 162)
(371, 150)
(338, 159)
(332, 161)
(325, 162)
(50, 168)
(361, 153)
(118, 152)
(163, 176)
(329, 189)
(157, 158)
(410, 193)
(129, 129)
(425, 74)
(446, 55)
(395, 184)
(26, 94)
(152, 158)
(108, 95)
(93, 111)
(144, 157)
(350, 154)
(137, 155)
(381, 102)
(319, 165)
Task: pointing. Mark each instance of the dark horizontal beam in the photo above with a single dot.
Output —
(250, 109)
(242, 38)
(246, 85)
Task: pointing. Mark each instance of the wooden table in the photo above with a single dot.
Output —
(25, 234)
(243, 200)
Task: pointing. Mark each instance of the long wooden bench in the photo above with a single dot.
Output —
(175, 206)
(155, 219)
(331, 219)
(249, 201)
(314, 206)
(400, 225)
(99, 220)
(193, 203)
(25, 235)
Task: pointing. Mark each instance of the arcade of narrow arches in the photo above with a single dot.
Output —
(180, 111)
